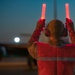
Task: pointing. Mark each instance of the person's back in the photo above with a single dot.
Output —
(53, 58)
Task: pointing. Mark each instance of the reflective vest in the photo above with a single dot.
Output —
(55, 60)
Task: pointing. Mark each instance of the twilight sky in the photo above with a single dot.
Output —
(20, 16)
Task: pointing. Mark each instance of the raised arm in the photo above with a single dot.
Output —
(35, 37)
(70, 28)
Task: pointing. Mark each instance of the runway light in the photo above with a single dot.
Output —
(17, 39)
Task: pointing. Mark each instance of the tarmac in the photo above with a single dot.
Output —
(16, 66)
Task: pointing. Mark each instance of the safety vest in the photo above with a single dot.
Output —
(55, 60)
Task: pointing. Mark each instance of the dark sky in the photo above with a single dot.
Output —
(21, 16)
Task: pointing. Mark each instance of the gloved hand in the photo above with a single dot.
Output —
(69, 25)
(35, 36)
(40, 24)
(70, 28)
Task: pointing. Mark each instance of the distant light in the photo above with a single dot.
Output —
(17, 39)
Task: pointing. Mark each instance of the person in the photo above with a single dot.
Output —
(31, 60)
(55, 57)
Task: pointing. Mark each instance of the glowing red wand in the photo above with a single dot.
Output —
(67, 11)
(43, 11)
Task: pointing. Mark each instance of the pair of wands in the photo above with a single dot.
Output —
(44, 11)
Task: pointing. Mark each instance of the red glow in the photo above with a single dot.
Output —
(67, 11)
(43, 11)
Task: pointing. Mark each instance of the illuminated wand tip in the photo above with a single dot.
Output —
(67, 11)
(67, 4)
(43, 11)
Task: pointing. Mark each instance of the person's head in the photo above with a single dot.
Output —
(56, 29)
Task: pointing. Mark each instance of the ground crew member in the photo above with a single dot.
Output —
(55, 57)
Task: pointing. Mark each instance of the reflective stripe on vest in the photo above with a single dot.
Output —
(56, 59)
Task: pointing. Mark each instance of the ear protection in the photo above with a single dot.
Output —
(47, 32)
(64, 33)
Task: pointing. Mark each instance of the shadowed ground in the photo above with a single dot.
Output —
(16, 66)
